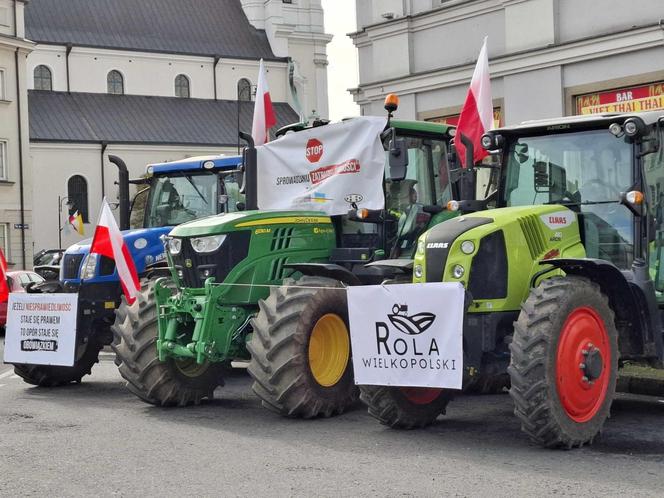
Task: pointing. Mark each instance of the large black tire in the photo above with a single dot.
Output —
(161, 383)
(392, 407)
(536, 363)
(279, 349)
(52, 376)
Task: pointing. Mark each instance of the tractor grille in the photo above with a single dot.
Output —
(488, 272)
(71, 265)
(219, 264)
(532, 231)
(282, 238)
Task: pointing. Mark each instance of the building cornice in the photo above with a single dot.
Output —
(14, 43)
(641, 38)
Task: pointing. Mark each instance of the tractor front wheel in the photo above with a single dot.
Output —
(163, 383)
(564, 362)
(54, 376)
(300, 349)
(405, 407)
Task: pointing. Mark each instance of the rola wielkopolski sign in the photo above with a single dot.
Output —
(407, 335)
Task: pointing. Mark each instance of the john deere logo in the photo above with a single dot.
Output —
(410, 325)
(188, 263)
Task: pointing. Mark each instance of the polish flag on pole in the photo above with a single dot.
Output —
(477, 113)
(108, 242)
(264, 117)
(4, 288)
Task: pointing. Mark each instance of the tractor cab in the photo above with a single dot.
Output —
(608, 169)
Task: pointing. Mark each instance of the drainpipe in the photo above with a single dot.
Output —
(20, 158)
(69, 47)
(214, 74)
(104, 146)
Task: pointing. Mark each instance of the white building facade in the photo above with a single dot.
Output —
(547, 58)
(15, 172)
(204, 51)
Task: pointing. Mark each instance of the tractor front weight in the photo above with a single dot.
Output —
(195, 324)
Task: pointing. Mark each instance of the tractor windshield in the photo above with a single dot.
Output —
(180, 198)
(585, 170)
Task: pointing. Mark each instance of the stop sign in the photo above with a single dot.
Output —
(314, 150)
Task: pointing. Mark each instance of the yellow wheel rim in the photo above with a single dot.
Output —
(329, 349)
(189, 367)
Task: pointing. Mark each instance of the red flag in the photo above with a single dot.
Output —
(477, 113)
(4, 288)
(264, 117)
(108, 242)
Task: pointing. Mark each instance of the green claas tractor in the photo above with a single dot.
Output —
(563, 274)
(175, 342)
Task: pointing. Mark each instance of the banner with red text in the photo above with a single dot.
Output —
(331, 168)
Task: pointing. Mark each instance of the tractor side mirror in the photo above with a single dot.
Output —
(521, 152)
(398, 154)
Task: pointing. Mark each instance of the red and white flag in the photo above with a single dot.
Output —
(108, 242)
(264, 117)
(477, 113)
(4, 288)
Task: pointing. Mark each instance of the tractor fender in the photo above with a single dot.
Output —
(327, 270)
(634, 318)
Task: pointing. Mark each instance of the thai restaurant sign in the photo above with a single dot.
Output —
(639, 98)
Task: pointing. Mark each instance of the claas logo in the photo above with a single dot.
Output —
(314, 150)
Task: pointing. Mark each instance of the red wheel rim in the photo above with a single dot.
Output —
(583, 364)
(421, 395)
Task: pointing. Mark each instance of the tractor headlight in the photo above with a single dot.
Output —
(458, 271)
(207, 244)
(174, 246)
(89, 266)
(468, 247)
(417, 271)
(420, 246)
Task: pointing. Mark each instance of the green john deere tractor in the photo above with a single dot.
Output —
(175, 342)
(564, 276)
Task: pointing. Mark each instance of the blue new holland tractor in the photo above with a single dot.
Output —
(177, 192)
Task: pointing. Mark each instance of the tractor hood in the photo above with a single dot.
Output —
(224, 223)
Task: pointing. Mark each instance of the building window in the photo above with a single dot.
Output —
(3, 89)
(77, 191)
(115, 83)
(182, 86)
(3, 161)
(244, 89)
(43, 78)
(4, 239)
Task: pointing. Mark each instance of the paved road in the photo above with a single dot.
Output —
(97, 439)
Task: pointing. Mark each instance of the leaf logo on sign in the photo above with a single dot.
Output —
(410, 325)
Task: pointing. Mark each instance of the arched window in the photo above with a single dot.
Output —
(182, 86)
(115, 83)
(244, 89)
(77, 191)
(43, 78)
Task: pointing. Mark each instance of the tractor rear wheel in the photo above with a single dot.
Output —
(564, 362)
(300, 349)
(54, 376)
(163, 383)
(405, 407)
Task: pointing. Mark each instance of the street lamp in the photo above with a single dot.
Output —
(245, 90)
(69, 203)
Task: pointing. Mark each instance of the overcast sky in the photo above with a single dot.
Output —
(342, 56)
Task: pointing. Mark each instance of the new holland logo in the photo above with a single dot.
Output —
(410, 325)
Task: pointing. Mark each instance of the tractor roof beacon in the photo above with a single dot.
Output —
(565, 281)
(177, 191)
(239, 281)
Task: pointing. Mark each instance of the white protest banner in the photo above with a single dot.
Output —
(329, 168)
(41, 329)
(407, 334)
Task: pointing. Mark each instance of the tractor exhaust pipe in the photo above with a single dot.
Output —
(123, 190)
(250, 162)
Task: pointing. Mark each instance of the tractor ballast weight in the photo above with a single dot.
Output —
(564, 278)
